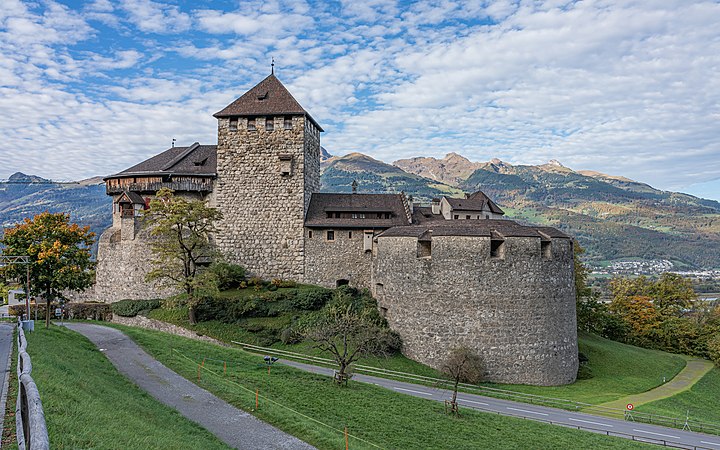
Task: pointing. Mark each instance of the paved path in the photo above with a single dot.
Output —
(6, 344)
(691, 374)
(233, 426)
(612, 427)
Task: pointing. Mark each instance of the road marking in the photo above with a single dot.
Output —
(526, 411)
(470, 401)
(711, 443)
(656, 434)
(587, 421)
(416, 392)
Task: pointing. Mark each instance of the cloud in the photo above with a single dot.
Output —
(156, 17)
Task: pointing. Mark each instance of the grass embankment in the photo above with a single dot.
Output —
(89, 404)
(373, 414)
(9, 437)
(701, 401)
(618, 369)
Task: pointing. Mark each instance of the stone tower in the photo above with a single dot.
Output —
(268, 166)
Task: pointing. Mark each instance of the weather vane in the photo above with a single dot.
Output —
(272, 66)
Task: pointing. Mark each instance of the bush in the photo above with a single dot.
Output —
(283, 283)
(311, 299)
(232, 309)
(88, 311)
(713, 348)
(290, 336)
(272, 287)
(131, 308)
(229, 276)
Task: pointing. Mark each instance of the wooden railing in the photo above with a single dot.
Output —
(29, 416)
(156, 186)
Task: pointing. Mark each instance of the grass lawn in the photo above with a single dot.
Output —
(89, 404)
(701, 400)
(618, 369)
(313, 408)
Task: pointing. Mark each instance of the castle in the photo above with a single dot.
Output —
(449, 274)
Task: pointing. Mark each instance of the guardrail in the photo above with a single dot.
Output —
(570, 405)
(29, 416)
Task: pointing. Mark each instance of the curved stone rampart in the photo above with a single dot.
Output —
(516, 311)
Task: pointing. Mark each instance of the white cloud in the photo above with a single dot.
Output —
(156, 17)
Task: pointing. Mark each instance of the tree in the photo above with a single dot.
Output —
(182, 245)
(59, 255)
(347, 331)
(639, 314)
(672, 294)
(462, 366)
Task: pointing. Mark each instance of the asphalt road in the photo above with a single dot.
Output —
(6, 337)
(612, 427)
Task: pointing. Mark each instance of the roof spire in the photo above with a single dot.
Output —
(272, 66)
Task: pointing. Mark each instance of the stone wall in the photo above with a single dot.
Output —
(121, 268)
(517, 313)
(343, 258)
(264, 210)
(152, 324)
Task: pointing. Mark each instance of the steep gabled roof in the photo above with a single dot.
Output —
(268, 98)
(321, 204)
(482, 228)
(476, 201)
(199, 160)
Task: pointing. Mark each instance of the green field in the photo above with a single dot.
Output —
(89, 404)
(314, 409)
(618, 369)
(701, 401)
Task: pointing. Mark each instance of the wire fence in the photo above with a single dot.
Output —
(685, 423)
(225, 374)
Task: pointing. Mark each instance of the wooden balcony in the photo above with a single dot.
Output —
(151, 188)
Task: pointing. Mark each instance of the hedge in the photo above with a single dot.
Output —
(84, 311)
(131, 308)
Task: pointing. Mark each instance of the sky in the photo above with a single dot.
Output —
(624, 87)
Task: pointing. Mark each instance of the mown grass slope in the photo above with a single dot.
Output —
(89, 404)
(702, 401)
(313, 408)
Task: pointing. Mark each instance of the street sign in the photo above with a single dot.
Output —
(58, 312)
(630, 406)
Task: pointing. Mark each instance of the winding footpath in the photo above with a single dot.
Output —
(233, 426)
(694, 370)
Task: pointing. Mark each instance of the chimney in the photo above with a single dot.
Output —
(435, 205)
(354, 186)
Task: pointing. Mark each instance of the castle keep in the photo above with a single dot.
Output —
(448, 274)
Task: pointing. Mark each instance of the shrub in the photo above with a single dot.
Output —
(290, 336)
(311, 299)
(713, 347)
(131, 308)
(88, 311)
(283, 283)
(272, 287)
(229, 276)
(256, 281)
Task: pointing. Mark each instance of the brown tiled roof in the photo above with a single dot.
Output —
(476, 201)
(479, 227)
(133, 197)
(268, 98)
(322, 203)
(198, 160)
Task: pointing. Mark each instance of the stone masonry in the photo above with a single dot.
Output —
(264, 209)
(517, 312)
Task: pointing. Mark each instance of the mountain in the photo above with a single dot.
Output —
(613, 217)
(24, 196)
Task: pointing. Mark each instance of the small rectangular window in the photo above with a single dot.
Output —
(387, 215)
(310, 234)
(331, 235)
(233, 123)
(424, 249)
(456, 217)
(487, 216)
(497, 248)
(287, 123)
(269, 124)
(251, 124)
(467, 217)
(337, 215)
(546, 249)
(349, 234)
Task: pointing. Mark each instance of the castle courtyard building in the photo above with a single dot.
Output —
(453, 273)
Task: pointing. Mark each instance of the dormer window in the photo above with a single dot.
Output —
(251, 124)
(262, 96)
(200, 163)
(233, 123)
(269, 124)
(287, 123)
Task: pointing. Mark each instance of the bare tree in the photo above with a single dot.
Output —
(462, 366)
(347, 334)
